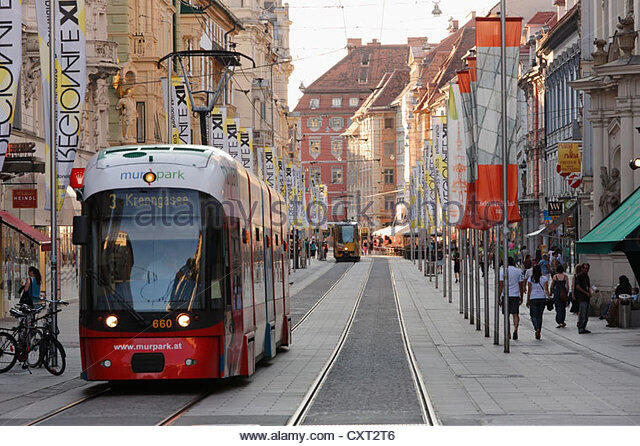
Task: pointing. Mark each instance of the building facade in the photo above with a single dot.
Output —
(610, 81)
(260, 94)
(326, 108)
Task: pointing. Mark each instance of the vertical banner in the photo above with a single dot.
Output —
(269, 167)
(440, 159)
(289, 193)
(218, 121)
(489, 183)
(246, 148)
(71, 84)
(10, 63)
(42, 19)
(232, 137)
(457, 151)
(430, 193)
(179, 110)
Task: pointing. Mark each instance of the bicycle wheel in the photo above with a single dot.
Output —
(53, 355)
(8, 348)
(34, 352)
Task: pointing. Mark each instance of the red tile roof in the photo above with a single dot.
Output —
(542, 18)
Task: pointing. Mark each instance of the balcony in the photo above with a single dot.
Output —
(102, 58)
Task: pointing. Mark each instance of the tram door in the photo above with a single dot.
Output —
(270, 343)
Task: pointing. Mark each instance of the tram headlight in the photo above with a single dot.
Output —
(184, 320)
(111, 321)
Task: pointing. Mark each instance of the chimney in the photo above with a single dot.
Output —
(374, 42)
(417, 41)
(453, 25)
(353, 43)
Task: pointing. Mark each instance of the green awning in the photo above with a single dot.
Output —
(607, 236)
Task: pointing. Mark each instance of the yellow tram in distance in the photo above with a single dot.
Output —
(346, 241)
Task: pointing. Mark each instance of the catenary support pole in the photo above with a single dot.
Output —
(471, 281)
(53, 168)
(485, 263)
(460, 287)
(450, 267)
(476, 254)
(445, 267)
(463, 274)
(435, 253)
(496, 273)
(505, 152)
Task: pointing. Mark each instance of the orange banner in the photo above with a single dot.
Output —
(488, 31)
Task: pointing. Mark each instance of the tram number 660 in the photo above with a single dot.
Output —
(162, 323)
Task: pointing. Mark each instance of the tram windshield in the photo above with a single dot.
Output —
(346, 234)
(152, 252)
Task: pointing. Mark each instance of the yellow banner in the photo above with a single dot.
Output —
(569, 157)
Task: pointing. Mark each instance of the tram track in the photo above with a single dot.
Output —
(427, 413)
(299, 415)
(170, 419)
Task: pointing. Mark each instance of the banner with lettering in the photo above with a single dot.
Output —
(489, 116)
(457, 151)
(217, 135)
(42, 20)
(246, 148)
(71, 85)
(232, 137)
(440, 158)
(179, 110)
(269, 167)
(10, 63)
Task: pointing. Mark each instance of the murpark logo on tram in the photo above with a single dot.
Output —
(151, 177)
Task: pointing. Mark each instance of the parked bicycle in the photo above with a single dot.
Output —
(30, 344)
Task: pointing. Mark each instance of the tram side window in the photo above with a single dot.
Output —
(236, 264)
(218, 259)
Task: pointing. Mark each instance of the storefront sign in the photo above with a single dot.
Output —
(555, 208)
(25, 198)
(569, 157)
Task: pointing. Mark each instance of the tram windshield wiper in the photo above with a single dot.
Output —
(125, 305)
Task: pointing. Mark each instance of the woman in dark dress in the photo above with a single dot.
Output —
(456, 264)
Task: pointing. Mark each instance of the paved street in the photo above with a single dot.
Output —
(564, 379)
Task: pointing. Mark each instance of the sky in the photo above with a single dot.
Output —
(320, 28)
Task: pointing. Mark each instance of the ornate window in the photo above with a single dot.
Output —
(314, 103)
(316, 175)
(336, 102)
(314, 148)
(353, 102)
(314, 123)
(336, 148)
(336, 123)
(388, 176)
(336, 175)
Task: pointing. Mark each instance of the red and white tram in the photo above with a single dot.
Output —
(183, 265)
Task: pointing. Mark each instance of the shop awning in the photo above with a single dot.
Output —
(555, 224)
(28, 231)
(609, 235)
(538, 232)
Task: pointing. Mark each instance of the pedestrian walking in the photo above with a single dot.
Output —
(313, 248)
(544, 265)
(582, 293)
(456, 264)
(514, 293)
(537, 293)
(365, 247)
(560, 291)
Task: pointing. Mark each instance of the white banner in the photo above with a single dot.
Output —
(440, 157)
(232, 138)
(218, 121)
(458, 162)
(246, 148)
(269, 167)
(179, 110)
(71, 85)
(289, 193)
(10, 63)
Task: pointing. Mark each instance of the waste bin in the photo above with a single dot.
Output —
(624, 313)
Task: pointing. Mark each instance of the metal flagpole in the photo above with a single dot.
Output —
(496, 271)
(444, 259)
(472, 303)
(53, 168)
(505, 198)
(460, 282)
(463, 278)
(450, 267)
(485, 258)
(169, 108)
(435, 253)
(476, 254)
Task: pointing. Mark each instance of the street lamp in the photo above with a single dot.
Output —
(634, 164)
(436, 9)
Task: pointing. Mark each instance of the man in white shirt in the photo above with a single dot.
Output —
(516, 279)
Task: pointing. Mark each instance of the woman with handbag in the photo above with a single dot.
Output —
(560, 291)
(537, 294)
